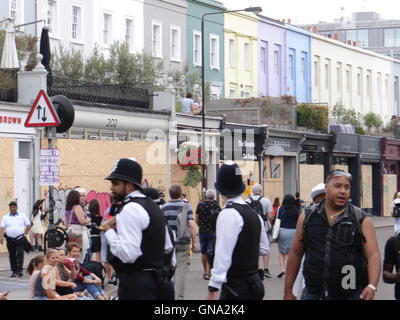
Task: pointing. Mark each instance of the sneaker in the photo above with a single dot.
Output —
(112, 282)
(267, 274)
(281, 274)
(13, 275)
(20, 274)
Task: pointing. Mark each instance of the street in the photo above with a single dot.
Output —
(196, 287)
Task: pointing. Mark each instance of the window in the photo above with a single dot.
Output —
(291, 67)
(157, 39)
(339, 76)
(52, 16)
(369, 83)
(196, 48)
(13, 10)
(76, 22)
(263, 60)
(316, 71)
(390, 37)
(232, 56)
(175, 44)
(214, 52)
(107, 28)
(129, 33)
(24, 150)
(359, 82)
(303, 70)
(232, 94)
(246, 57)
(327, 73)
(379, 85)
(348, 79)
(276, 63)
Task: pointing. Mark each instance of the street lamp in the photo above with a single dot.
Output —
(255, 10)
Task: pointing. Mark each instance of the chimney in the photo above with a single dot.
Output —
(349, 42)
(314, 29)
(289, 21)
(335, 36)
(354, 43)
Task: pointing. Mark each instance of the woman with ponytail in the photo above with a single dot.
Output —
(33, 269)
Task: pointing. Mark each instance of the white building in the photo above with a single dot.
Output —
(355, 77)
(83, 24)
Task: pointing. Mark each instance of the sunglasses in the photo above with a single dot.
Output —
(339, 173)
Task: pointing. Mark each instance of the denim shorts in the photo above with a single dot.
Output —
(207, 242)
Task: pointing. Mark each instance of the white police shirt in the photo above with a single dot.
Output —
(131, 221)
(15, 225)
(229, 225)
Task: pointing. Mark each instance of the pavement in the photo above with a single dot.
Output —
(18, 287)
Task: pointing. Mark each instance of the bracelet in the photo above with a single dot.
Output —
(373, 288)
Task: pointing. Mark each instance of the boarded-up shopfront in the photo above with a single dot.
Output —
(371, 175)
(346, 157)
(313, 160)
(391, 167)
(280, 169)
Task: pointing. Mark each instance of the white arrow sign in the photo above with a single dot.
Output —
(42, 113)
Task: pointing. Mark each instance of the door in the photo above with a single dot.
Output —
(23, 176)
(289, 176)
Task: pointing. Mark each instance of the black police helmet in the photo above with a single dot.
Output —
(229, 180)
(127, 169)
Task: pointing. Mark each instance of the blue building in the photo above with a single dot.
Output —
(298, 78)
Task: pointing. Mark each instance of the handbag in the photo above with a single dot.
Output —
(74, 232)
(277, 226)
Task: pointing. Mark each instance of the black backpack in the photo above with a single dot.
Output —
(256, 205)
(97, 268)
(396, 212)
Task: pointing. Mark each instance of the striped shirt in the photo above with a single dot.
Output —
(171, 209)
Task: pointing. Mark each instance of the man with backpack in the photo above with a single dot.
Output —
(342, 260)
(179, 215)
(263, 207)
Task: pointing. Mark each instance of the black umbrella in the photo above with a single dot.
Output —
(45, 52)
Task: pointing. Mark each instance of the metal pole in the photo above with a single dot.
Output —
(203, 114)
(50, 134)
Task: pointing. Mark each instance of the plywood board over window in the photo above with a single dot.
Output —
(389, 189)
(310, 176)
(366, 186)
(273, 177)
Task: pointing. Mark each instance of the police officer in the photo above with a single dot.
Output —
(136, 235)
(241, 238)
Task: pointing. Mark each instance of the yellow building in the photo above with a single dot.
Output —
(241, 41)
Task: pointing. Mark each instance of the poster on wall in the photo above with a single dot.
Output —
(49, 167)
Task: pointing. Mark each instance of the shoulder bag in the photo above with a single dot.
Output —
(277, 226)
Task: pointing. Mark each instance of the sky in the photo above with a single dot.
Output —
(313, 11)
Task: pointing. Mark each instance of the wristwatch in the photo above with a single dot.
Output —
(212, 289)
(373, 288)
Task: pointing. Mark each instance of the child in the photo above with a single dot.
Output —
(33, 269)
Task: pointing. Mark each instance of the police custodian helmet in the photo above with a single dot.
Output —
(127, 169)
(229, 180)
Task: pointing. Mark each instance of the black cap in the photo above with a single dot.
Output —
(13, 203)
(127, 169)
(152, 194)
(229, 180)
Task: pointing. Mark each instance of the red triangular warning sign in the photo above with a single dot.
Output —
(42, 113)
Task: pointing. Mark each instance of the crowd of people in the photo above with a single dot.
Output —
(144, 244)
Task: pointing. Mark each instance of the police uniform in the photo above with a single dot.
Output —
(138, 246)
(241, 238)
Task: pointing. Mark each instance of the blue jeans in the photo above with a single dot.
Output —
(308, 296)
(93, 289)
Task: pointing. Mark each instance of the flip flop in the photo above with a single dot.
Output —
(206, 276)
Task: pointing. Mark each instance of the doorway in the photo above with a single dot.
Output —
(23, 176)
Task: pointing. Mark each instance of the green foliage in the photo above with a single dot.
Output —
(313, 116)
(372, 120)
(347, 116)
(7, 82)
(121, 68)
(193, 177)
